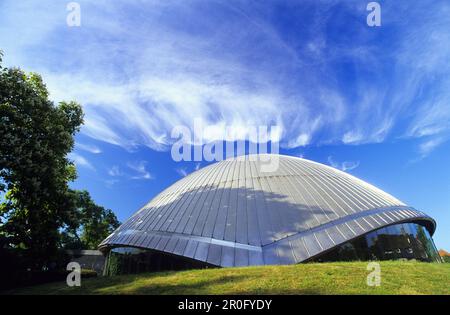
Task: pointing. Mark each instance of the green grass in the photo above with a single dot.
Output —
(324, 278)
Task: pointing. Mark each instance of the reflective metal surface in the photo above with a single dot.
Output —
(398, 241)
(232, 214)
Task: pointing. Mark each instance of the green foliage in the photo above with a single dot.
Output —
(35, 138)
(88, 224)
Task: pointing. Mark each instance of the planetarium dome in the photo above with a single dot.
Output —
(232, 213)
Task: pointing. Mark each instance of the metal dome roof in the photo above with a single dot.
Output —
(232, 214)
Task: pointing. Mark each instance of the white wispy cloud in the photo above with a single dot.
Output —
(89, 148)
(115, 171)
(343, 166)
(431, 126)
(81, 161)
(302, 140)
(109, 183)
(137, 170)
(140, 168)
(240, 68)
(181, 171)
(429, 145)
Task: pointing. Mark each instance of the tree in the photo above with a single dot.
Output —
(89, 223)
(35, 138)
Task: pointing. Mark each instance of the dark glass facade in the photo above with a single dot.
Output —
(126, 260)
(399, 241)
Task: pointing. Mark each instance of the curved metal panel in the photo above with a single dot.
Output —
(232, 214)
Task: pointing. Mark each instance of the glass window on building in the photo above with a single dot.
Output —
(399, 241)
(126, 260)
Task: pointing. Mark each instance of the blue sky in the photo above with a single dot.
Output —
(374, 102)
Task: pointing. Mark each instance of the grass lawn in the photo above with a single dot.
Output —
(324, 278)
